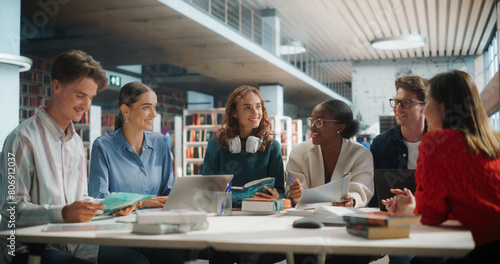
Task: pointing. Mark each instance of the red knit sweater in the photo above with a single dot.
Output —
(452, 180)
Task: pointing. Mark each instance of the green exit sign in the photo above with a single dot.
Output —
(115, 80)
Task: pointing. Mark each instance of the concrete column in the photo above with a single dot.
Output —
(271, 20)
(273, 98)
(10, 65)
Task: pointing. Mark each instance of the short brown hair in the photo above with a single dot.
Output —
(75, 64)
(415, 84)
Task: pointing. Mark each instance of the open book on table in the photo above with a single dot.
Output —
(250, 189)
(119, 200)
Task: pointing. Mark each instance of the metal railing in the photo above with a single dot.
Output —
(247, 22)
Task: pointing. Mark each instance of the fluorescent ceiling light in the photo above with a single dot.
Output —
(292, 48)
(399, 42)
(24, 63)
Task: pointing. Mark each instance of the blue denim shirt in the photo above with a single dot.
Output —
(116, 167)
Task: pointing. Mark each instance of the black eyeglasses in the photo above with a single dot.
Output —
(406, 103)
(318, 122)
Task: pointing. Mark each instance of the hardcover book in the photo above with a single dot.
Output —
(119, 200)
(174, 216)
(265, 205)
(383, 219)
(156, 229)
(378, 232)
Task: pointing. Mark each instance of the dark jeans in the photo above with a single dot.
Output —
(109, 255)
(223, 257)
(331, 259)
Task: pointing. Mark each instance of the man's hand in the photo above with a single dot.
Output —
(81, 211)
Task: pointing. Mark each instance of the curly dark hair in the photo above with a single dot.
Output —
(230, 126)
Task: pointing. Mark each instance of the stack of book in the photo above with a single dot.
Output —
(258, 204)
(380, 225)
(159, 221)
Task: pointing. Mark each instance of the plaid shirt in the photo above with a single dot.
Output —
(50, 171)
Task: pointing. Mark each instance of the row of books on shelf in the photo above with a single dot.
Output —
(23, 113)
(31, 101)
(35, 89)
(170, 101)
(41, 65)
(194, 169)
(108, 120)
(35, 77)
(85, 118)
(204, 119)
(169, 109)
(195, 152)
(380, 225)
(294, 128)
(284, 150)
(83, 133)
(164, 91)
(199, 135)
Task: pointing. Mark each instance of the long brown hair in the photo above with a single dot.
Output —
(230, 126)
(464, 111)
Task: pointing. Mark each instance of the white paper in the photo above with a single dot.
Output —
(333, 191)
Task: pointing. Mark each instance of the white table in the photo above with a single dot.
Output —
(271, 234)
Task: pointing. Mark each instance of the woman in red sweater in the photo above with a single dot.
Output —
(458, 166)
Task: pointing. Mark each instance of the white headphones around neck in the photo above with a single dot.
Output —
(252, 145)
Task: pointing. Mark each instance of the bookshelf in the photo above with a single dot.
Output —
(199, 128)
(108, 121)
(296, 132)
(283, 134)
(89, 128)
(35, 88)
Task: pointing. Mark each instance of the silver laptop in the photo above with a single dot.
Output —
(197, 192)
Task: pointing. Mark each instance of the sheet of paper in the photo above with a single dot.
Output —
(333, 191)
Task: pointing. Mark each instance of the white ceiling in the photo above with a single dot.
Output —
(337, 32)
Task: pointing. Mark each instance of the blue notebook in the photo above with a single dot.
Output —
(119, 200)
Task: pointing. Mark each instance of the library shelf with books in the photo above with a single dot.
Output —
(108, 118)
(89, 128)
(283, 134)
(296, 131)
(199, 127)
(35, 88)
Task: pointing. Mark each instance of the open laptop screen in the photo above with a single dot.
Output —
(197, 192)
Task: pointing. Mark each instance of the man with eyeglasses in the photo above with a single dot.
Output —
(397, 148)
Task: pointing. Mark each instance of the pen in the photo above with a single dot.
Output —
(291, 180)
(228, 188)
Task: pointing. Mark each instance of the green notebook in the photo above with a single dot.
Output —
(119, 200)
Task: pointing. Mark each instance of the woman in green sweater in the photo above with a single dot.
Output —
(244, 146)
